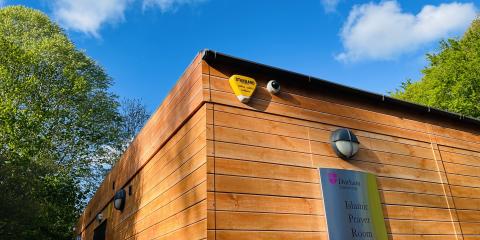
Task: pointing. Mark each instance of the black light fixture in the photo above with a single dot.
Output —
(100, 217)
(344, 143)
(119, 199)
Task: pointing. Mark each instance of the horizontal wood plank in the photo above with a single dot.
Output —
(268, 222)
(421, 227)
(187, 217)
(269, 235)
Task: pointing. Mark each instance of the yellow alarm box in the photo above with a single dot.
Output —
(243, 87)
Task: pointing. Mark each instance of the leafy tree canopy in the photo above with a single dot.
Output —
(452, 80)
(59, 125)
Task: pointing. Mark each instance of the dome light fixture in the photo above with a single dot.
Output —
(344, 143)
(119, 199)
(100, 217)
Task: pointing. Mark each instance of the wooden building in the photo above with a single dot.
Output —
(207, 166)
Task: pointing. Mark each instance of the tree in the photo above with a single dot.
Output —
(134, 115)
(58, 121)
(452, 79)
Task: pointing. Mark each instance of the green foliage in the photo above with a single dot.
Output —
(59, 125)
(452, 79)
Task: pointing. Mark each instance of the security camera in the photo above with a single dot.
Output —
(273, 87)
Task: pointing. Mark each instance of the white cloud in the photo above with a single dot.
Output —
(88, 16)
(169, 5)
(382, 31)
(330, 5)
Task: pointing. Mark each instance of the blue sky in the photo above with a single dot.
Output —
(145, 45)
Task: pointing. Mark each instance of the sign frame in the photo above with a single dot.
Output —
(352, 205)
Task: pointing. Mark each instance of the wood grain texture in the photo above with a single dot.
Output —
(186, 96)
(266, 154)
(168, 196)
(242, 179)
(209, 167)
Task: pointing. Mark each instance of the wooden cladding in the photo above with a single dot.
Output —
(263, 172)
(206, 166)
(166, 167)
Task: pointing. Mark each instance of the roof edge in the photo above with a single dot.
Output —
(214, 56)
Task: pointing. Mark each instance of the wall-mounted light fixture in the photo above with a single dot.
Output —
(119, 200)
(100, 217)
(273, 86)
(344, 143)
